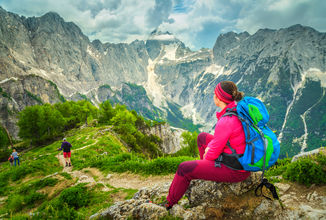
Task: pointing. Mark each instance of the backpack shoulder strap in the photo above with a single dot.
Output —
(230, 112)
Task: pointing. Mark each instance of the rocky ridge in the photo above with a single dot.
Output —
(211, 200)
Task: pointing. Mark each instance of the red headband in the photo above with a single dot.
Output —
(222, 95)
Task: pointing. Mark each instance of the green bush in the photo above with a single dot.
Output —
(189, 145)
(136, 164)
(76, 196)
(4, 179)
(106, 112)
(306, 171)
(46, 182)
(164, 165)
(33, 198)
(4, 142)
(36, 185)
(66, 175)
(278, 169)
(51, 211)
(20, 172)
(15, 202)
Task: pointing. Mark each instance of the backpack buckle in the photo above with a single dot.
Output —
(218, 161)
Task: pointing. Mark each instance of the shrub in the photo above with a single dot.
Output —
(76, 196)
(51, 211)
(46, 182)
(20, 172)
(278, 169)
(66, 175)
(33, 198)
(15, 202)
(306, 171)
(165, 165)
(38, 184)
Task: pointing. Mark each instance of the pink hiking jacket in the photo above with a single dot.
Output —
(227, 128)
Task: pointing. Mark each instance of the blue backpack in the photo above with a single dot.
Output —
(262, 147)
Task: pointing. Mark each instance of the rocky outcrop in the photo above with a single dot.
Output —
(211, 200)
(17, 93)
(205, 198)
(171, 137)
(321, 150)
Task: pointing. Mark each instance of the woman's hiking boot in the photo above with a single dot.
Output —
(166, 205)
(70, 164)
(66, 164)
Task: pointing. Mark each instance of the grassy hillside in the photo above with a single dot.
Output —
(42, 186)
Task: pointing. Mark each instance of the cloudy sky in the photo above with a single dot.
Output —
(196, 22)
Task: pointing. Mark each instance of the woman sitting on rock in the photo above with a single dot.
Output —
(228, 128)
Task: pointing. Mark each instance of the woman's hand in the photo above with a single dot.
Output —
(206, 150)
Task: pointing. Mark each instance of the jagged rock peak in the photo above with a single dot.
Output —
(52, 16)
(299, 27)
(225, 42)
(97, 44)
(228, 39)
(234, 35)
(164, 36)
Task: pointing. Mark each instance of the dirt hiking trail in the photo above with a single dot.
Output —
(94, 176)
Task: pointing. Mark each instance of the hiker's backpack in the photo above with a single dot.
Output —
(262, 147)
(11, 159)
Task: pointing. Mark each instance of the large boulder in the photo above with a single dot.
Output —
(321, 150)
(203, 200)
(212, 200)
(210, 192)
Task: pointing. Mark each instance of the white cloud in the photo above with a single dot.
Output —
(195, 22)
(282, 13)
(114, 23)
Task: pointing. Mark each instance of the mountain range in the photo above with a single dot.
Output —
(47, 60)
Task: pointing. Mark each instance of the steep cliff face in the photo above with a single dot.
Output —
(171, 137)
(162, 78)
(17, 93)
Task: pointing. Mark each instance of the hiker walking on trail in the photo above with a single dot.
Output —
(228, 130)
(66, 151)
(15, 155)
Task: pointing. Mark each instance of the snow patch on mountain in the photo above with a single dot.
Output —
(215, 69)
(170, 51)
(295, 87)
(90, 52)
(8, 79)
(153, 88)
(316, 75)
(189, 111)
(303, 117)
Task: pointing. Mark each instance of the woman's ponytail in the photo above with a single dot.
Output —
(232, 89)
(238, 96)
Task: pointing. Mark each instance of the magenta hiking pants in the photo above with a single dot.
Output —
(201, 169)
